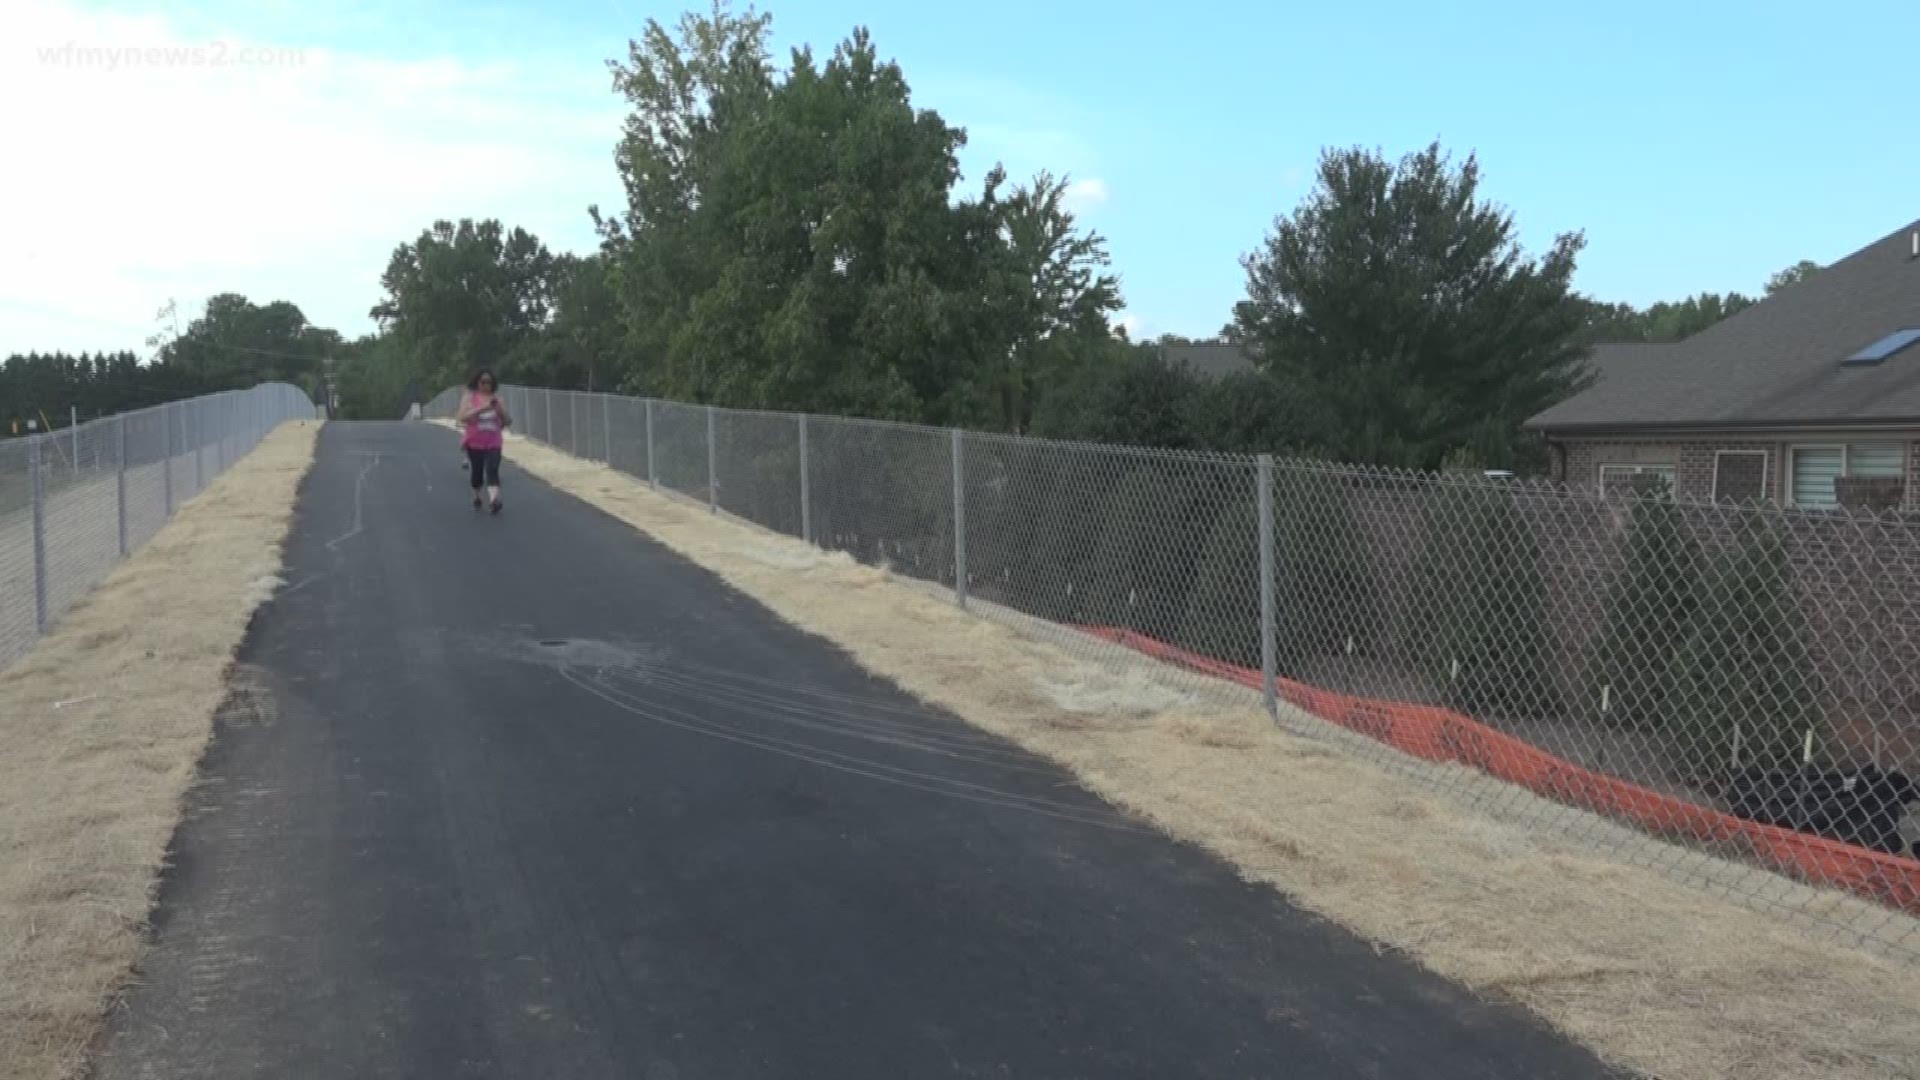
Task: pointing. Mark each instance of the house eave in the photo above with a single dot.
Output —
(1718, 427)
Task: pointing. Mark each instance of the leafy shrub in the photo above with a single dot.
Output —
(1481, 604)
(1745, 693)
(1056, 503)
(1324, 589)
(1631, 671)
(1142, 562)
(1221, 616)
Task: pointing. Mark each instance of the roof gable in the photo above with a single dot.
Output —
(1777, 362)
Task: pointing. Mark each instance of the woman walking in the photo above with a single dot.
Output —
(484, 417)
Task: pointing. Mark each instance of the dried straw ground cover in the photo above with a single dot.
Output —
(1656, 975)
(81, 526)
(101, 726)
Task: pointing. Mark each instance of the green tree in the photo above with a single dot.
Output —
(1631, 672)
(1664, 321)
(1325, 597)
(1480, 603)
(1055, 501)
(463, 296)
(372, 375)
(666, 250)
(1142, 564)
(794, 241)
(1125, 394)
(1222, 614)
(1399, 306)
(1792, 275)
(1249, 412)
(236, 343)
(1057, 298)
(49, 388)
(1675, 320)
(1324, 594)
(1745, 695)
(579, 347)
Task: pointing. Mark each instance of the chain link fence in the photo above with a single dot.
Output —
(1738, 680)
(74, 502)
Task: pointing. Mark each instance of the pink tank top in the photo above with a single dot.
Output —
(483, 430)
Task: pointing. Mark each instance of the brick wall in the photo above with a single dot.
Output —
(1693, 462)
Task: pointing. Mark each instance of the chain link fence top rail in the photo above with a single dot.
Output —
(1741, 680)
(74, 502)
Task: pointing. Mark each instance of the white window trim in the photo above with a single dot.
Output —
(1793, 466)
(1634, 468)
(1766, 463)
(1846, 461)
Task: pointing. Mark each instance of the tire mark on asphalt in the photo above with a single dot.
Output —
(848, 763)
(359, 503)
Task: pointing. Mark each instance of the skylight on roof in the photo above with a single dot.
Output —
(1885, 347)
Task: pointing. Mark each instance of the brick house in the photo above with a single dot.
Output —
(1809, 398)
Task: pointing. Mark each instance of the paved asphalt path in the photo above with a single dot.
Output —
(684, 840)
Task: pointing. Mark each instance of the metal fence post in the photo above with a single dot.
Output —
(120, 481)
(1267, 690)
(606, 421)
(39, 534)
(713, 468)
(806, 502)
(546, 433)
(573, 422)
(166, 471)
(199, 456)
(653, 473)
(959, 523)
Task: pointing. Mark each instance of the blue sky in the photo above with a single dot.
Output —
(1700, 146)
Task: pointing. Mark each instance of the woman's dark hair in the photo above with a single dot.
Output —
(483, 373)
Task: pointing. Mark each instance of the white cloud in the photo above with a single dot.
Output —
(144, 170)
(1131, 323)
(1084, 195)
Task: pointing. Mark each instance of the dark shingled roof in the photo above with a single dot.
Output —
(1208, 360)
(1776, 363)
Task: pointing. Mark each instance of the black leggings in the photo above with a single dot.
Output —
(483, 460)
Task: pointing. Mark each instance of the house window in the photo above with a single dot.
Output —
(1815, 468)
(1621, 478)
(1739, 476)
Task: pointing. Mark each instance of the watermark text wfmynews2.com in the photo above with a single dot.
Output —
(217, 54)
